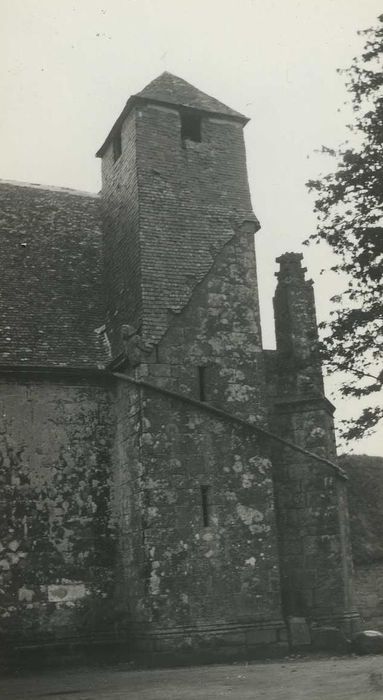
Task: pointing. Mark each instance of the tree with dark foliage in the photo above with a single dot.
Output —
(349, 207)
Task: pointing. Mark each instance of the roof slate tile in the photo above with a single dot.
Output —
(174, 90)
(51, 297)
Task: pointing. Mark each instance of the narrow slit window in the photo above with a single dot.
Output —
(190, 127)
(201, 383)
(117, 146)
(205, 493)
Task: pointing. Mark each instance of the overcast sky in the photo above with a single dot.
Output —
(68, 67)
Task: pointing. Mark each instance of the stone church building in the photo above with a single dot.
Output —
(167, 485)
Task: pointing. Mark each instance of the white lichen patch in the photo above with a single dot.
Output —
(240, 393)
(147, 439)
(236, 375)
(155, 579)
(317, 433)
(217, 345)
(25, 594)
(65, 593)
(208, 536)
(174, 463)
(217, 300)
(260, 464)
(247, 480)
(250, 561)
(237, 466)
(153, 483)
(256, 418)
(14, 557)
(252, 517)
(249, 515)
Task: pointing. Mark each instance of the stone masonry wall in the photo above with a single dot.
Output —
(312, 521)
(219, 331)
(311, 499)
(128, 505)
(298, 362)
(56, 545)
(193, 198)
(193, 581)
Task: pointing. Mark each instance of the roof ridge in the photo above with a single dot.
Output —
(49, 188)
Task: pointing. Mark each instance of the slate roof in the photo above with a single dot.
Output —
(170, 89)
(51, 298)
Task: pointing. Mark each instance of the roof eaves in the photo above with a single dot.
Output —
(139, 99)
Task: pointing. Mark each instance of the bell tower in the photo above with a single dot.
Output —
(174, 191)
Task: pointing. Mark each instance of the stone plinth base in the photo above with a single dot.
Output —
(145, 646)
(348, 623)
(226, 640)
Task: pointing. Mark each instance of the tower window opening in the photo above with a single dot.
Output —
(190, 127)
(117, 146)
(205, 492)
(201, 383)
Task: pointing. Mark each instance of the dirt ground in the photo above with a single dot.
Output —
(342, 678)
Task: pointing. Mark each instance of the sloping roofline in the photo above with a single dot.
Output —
(49, 188)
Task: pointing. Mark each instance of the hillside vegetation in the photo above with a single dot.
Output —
(365, 493)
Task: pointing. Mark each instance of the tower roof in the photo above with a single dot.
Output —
(172, 90)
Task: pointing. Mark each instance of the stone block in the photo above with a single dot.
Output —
(160, 370)
(230, 639)
(173, 642)
(261, 636)
(367, 642)
(299, 632)
(64, 593)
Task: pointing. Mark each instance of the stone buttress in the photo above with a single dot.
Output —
(315, 555)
